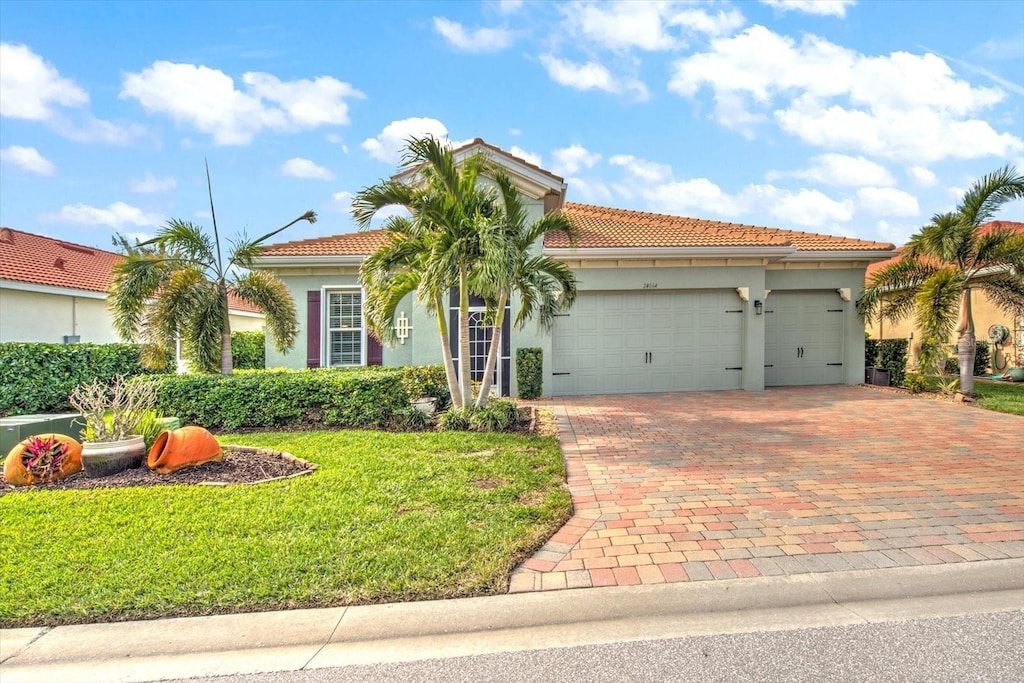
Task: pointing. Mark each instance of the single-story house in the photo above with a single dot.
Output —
(987, 316)
(665, 303)
(56, 291)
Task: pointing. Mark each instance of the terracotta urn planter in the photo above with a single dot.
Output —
(104, 458)
(185, 447)
(17, 474)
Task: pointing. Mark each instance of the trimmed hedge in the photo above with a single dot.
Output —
(890, 354)
(530, 372)
(248, 350)
(982, 360)
(38, 377)
(351, 398)
(421, 381)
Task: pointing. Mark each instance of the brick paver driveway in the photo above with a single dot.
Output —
(717, 485)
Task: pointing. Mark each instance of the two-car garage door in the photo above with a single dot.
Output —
(625, 342)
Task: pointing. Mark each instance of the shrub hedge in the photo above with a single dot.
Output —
(351, 398)
(982, 360)
(530, 372)
(890, 354)
(38, 378)
(248, 350)
(421, 381)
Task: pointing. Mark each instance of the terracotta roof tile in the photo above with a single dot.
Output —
(983, 229)
(605, 227)
(360, 243)
(25, 257)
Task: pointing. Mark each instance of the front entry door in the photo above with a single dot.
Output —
(480, 334)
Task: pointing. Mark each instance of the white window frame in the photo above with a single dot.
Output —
(325, 330)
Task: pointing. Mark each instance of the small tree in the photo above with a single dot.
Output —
(177, 284)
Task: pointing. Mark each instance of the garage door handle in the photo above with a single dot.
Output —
(556, 374)
(769, 366)
(739, 368)
(833, 363)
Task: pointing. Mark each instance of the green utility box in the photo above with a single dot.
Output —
(16, 428)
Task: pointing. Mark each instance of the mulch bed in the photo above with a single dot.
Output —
(241, 465)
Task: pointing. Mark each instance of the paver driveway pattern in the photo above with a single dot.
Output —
(718, 485)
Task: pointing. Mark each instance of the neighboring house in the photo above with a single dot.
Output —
(986, 314)
(665, 303)
(56, 291)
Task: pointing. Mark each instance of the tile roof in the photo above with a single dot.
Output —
(605, 227)
(25, 257)
(360, 243)
(983, 229)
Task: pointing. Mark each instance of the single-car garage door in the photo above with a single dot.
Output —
(803, 335)
(629, 342)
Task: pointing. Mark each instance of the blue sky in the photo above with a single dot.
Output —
(852, 118)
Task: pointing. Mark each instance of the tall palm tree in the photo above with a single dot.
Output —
(449, 232)
(947, 259)
(545, 286)
(179, 289)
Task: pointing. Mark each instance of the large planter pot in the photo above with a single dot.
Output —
(183, 447)
(104, 458)
(1016, 374)
(426, 404)
(14, 466)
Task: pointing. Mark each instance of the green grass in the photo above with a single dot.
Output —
(1004, 397)
(387, 517)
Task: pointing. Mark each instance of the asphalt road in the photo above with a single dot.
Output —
(983, 647)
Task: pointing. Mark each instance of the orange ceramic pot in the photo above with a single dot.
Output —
(183, 447)
(16, 474)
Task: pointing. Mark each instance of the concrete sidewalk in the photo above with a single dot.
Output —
(306, 639)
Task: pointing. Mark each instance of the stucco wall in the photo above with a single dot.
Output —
(245, 323)
(39, 317)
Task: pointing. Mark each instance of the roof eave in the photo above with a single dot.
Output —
(871, 255)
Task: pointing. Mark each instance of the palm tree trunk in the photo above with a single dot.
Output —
(226, 361)
(446, 352)
(492, 354)
(464, 364)
(966, 342)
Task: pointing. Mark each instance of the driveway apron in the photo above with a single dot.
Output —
(720, 485)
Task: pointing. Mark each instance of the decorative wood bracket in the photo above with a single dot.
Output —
(844, 293)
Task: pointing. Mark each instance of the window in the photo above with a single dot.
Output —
(344, 328)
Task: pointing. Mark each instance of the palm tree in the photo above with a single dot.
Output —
(945, 260)
(452, 223)
(545, 286)
(179, 288)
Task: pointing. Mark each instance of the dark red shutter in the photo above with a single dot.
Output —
(374, 351)
(313, 328)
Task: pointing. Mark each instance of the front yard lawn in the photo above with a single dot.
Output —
(1004, 397)
(387, 517)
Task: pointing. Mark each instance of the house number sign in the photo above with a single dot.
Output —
(650, 285)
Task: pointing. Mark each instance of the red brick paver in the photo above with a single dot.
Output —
(718, 485)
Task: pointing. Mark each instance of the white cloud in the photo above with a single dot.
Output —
(887, 201)
(304, 168)
(898, 106)
(477, 40)
(117, 215)
(897, 233)
(697, 196)
(591, 76)
(834, 8)
(208, 100)
(32, 88)
(388, 144)
(645, 25)
(807, 208)
(341, 201)
(642, 169)
(510, 6)
(569, 160)
(922, 176)
(588, 190)
(27, 159)
(534, 159)
(840, 169)
(515, 132)
(151, 184)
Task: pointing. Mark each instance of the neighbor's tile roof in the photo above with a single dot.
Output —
(983, 229)
(601, 226)
(360, 243)
(25, 257)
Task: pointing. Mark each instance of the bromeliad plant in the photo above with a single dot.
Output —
(44, 457)
(116, 411)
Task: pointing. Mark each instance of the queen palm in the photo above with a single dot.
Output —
(545, 286)
(179, 289)
(947, 259)
(452, 224)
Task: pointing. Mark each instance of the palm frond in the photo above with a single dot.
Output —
(270, 295)
(987, 195)
(937, 302)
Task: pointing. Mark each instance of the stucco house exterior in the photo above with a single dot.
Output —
(985, 313)
(665, 303)
(56, 291)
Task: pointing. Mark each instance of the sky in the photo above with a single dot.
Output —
(844, 117)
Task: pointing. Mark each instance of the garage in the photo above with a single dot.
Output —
(632, 342)
(803, 338)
